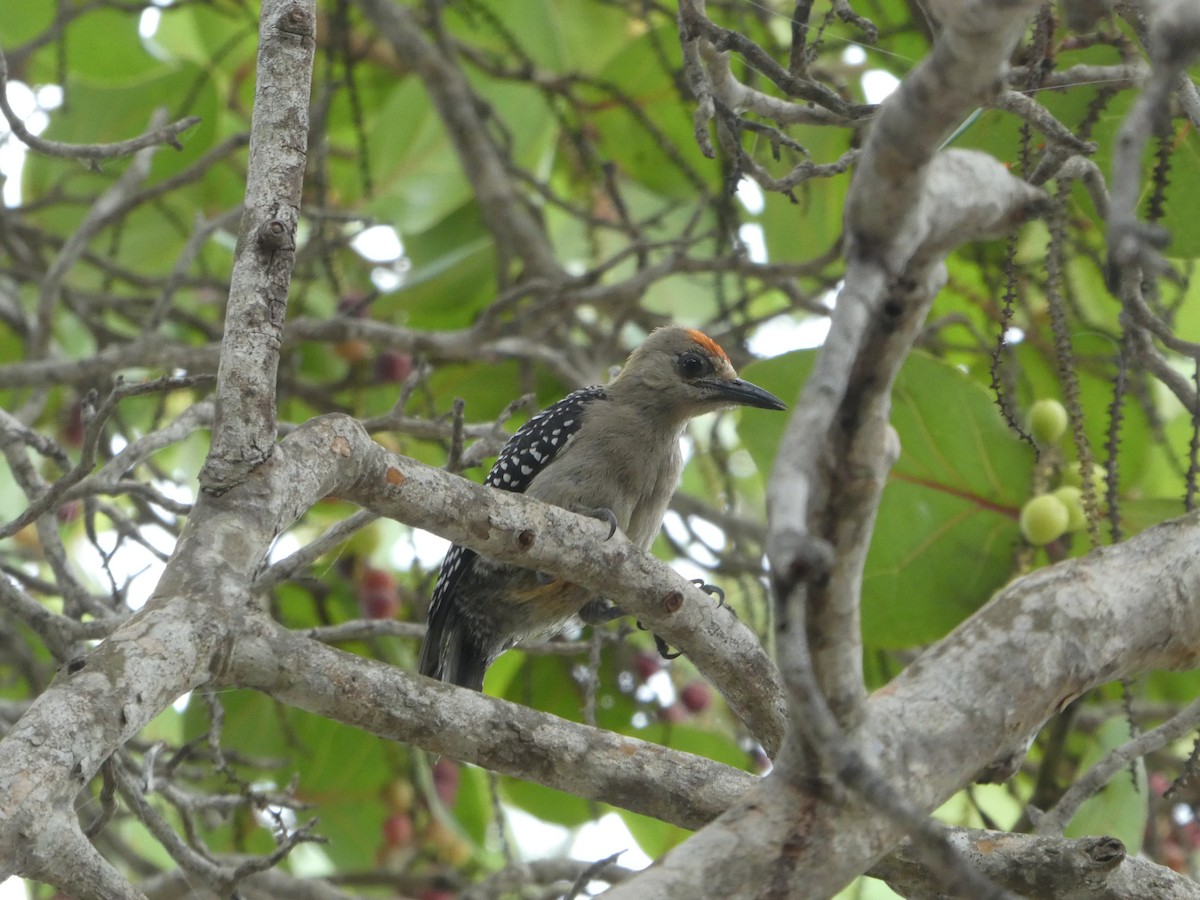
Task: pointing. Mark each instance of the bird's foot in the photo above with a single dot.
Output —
(603, 513)
(715, 591)
(712, 590)
(663, 648)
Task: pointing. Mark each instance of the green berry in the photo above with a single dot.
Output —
(1044, 519)
(1072, 476)
(1048, 422)
(1072, 498)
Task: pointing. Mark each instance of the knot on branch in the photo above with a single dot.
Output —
(274, 235)
(673, 602)
(296, 20)
(1107, 852)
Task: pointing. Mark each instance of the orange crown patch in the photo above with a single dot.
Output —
(707, 343)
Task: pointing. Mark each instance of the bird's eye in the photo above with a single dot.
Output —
(692, 365)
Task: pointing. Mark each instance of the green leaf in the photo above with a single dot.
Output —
(640, 154)
(417, 175)
(1119, 810)
(209, 34)
(473, 806)
(25, 21)
(809, 226)
(548, 804)
(576, 37)
(118, 58)
(1182, 194)
(946, 527)
(340, 769)
(101, 113)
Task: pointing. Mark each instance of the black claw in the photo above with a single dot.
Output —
(603, 513)
(712, 590)
(611, 517)
(664, 649)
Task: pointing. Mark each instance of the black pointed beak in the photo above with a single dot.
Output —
(743, 393)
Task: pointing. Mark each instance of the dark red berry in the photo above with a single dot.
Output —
(696, 696)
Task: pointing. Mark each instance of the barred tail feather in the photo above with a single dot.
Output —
(449, 653)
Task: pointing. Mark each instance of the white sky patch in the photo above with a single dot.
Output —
(134, 565)
(606, 836)
(1014, 335)
(854, 55)
(148, 23)
(673, 523)
(31, 107)
(382, 244)
(429, 547)
(175, 490)
(379, 243)
(751, 197)
(784, 333)
(752, 235)
(658, 687)
(285, 545)
(878, 85)
(709, 533)
(13, 889)
(386, 280)
(536, 839)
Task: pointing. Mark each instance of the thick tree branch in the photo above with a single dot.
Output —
(202, 626)
(516, 529)
(970, 704)
(503, 737)
(1043, 868)
(908, 206)
(244, 429)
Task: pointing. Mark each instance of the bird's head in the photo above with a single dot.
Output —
(686, 371)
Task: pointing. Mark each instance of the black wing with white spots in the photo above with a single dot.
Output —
(451, 650)
(539, 440)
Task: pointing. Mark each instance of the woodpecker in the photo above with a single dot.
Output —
(609, 451)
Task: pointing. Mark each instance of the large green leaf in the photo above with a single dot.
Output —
(946, 528)
(23, 22)
(572, 37)
(209, 34)
(638, 72)
(119, 57)
(340, 770)
(418, 178)
(1120, 808)
(811, 224)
